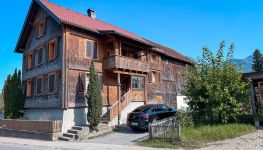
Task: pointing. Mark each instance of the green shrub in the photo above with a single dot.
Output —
(245, 118)
(185, 118)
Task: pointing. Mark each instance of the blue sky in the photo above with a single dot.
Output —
(184, 25)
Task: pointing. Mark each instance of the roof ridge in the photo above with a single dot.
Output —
(91, 18)
(76, 18)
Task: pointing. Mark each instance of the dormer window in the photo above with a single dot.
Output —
(41, 28)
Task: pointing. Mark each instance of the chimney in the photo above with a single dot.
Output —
(91, 13)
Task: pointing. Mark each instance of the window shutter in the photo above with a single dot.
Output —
(89, 49)
(95, 50)
(33, 60)
(32, 88)
(56, 83)
(45, 25)
(150, 76)
(45, 85)
(57, 48)
(82, 82)
(46, 52)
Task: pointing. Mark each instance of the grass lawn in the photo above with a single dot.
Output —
(194, 136)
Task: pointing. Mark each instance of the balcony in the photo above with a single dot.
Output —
(127, 63)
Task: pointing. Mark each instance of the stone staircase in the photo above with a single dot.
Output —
(105, 118)
(77, 133)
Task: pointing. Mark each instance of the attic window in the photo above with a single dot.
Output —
(52, 49)
(41, 28)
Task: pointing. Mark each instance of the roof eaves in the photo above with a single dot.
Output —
(78, 26)
(23, 29)
(120, 34)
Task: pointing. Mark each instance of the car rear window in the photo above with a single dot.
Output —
(143, 108)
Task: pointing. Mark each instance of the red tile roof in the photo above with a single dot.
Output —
(74, 18)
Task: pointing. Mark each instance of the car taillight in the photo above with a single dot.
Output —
(145, 116)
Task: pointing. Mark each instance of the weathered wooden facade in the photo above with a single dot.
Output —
(256, 84)
(58, 45)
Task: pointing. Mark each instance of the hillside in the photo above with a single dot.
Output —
(246, 62)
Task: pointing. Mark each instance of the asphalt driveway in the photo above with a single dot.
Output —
(122, 136)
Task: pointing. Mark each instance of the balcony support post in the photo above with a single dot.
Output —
(119, 97)
(145, 90)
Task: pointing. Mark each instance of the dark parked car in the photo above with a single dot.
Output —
(143, 115)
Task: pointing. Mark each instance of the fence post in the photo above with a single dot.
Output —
(150, 130)
(179, 132)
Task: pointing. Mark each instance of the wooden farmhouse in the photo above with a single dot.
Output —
(58, 45)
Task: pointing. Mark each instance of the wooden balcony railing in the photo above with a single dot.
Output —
(122, 62)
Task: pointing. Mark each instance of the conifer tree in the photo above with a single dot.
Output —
(257, 61)
(94, 99)
(13, 96)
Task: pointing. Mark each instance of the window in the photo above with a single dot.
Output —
(30, 61)
(91, 49)
(28, 88)
(39, 85)
(41, 28)
(168, 74)
(52, 49)
(137, 82)
(154, 77)
(51, 83)
(40, 56)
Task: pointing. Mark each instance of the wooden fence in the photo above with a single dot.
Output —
(168, 128)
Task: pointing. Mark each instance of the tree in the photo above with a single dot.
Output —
(13, 96)
(94, 99)
(257, 61)
(215, 87)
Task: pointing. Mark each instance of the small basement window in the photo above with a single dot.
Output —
(41, 28)
(30, 61)
(28, 88)
(52, 50)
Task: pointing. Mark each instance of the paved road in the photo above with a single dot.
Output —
(28, 144)
(124, 136)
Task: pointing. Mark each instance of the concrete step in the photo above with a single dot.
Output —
(62, 138)
(70, 135)
(77, 128)
(72, 131)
